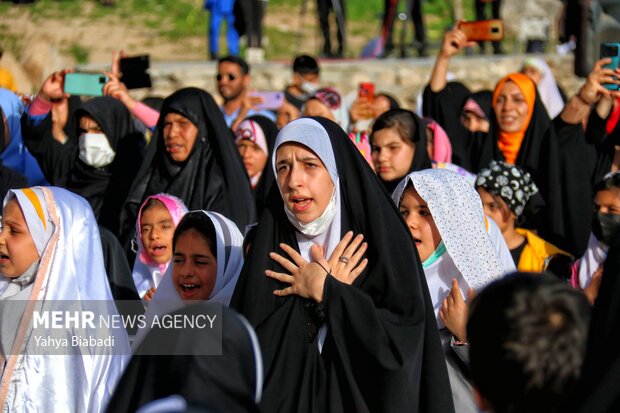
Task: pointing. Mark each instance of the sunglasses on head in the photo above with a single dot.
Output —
(230, 76)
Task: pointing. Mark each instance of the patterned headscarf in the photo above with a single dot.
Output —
(510, 182)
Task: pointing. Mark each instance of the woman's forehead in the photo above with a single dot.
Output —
(288, 149)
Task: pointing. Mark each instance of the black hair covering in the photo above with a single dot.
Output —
(106, 188)
(212, 178)
(382, 351)
(421, 160)
(445, 107)
(225, 383)
(267, 178)
(484, 99)
(598, 385)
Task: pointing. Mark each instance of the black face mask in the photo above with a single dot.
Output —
(605, 226)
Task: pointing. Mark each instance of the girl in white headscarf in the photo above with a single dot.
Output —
(50, 255)
(218, 244)
(456, 252)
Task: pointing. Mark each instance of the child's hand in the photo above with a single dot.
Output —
(591, 291)
(149, 295)
(454, 311)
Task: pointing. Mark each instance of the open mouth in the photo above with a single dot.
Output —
(158, 250)
(173, 148)
(417, 241)
(301, 204)
(4, 258)
(189, 290)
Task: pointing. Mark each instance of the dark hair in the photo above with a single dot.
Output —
(245, 68)
(527, 335)
(404, 121)
(305, 64)
(199, 221)
(152, 202)
(393, 102)
(612, 181)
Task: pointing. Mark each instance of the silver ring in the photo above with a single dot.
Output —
(343, 259)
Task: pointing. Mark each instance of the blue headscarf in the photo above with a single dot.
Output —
(16, 156)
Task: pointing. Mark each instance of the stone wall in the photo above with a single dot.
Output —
(404, 78)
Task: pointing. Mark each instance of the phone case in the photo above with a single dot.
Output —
(85, 84)
(134, 70)
(483, 30)
(615, 61)
(367, 90)
(271, 100)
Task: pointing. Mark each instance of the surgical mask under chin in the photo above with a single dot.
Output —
(95, 150)
(605, 226)
(319, 225)
(309, 87)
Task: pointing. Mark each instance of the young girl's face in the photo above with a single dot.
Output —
(156, 231)
(195, 268)
(391, 155)
(420, 222)
(254, 159)
(17, 249)
(496, 209)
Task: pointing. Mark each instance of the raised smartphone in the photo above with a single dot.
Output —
(366, 90)
(135, 71)
(483, 30)
(612, 51)
(271, 100)
(85, 84)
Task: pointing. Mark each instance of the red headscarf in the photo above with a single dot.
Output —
(510, 142)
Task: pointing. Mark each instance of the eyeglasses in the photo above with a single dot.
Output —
(230, 76)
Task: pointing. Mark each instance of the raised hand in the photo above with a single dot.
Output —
(53, 88)
(454, 311)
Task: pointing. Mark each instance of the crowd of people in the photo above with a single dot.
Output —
(362, 256)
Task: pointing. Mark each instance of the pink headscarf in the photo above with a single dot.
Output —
(442, 148)
(146, 272)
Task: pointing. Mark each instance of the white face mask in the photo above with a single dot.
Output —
(95, 150)
(319, 225)
(309, 87)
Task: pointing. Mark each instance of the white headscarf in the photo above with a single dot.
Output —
(547, 87)
(325, 230)
(71, 268)
(457, 211)
(592, 259)
(229, 247)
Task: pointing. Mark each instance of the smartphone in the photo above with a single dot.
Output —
(85, 84)
(135, 71)
(483, 30)
(366, 90)
(271, 100)
(612, 51)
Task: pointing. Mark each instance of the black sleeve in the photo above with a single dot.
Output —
(55, 159)
(577, 162)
